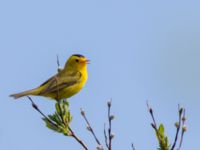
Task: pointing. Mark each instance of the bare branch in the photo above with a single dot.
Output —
(110, 118)
(58, 62)
(38, 110)
(178, 126)
(154, 124)
(105, 136)
(89, 127)
(152, 116)
(77, 139)
(133, 147)
(183, 129)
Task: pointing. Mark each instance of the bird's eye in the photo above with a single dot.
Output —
(77, 60)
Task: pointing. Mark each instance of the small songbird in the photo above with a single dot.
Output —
(66, 83)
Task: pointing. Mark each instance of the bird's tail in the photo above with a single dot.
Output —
(25, 93)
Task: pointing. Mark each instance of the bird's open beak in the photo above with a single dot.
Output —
(86, 61)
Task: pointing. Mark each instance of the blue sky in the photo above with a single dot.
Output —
(139, 50)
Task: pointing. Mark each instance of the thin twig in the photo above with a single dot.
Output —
(58, 62)
(105, 136)
(178, 126)
(89, 127)
(110, 118)
(154, 125)
(152, 116)
(133, 147)
(38, 110)
(56, 78)
(183, 129)
(77, 138)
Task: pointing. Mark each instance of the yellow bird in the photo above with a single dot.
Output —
(65, 83)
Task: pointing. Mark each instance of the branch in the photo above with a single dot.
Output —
(133, 147)
(178, 126)
(90, 129)
(77, 139)
(105, 136)
(72, 133)
(160, 132)
(184, 129)
(38, 110)
(58, 62)
(110, 118)
(154, 125)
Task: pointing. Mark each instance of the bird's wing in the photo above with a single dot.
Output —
(58, 82)
(49, 80)
(59, 70)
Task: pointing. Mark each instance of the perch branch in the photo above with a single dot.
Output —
(71, 131)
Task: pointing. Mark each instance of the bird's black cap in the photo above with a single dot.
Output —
(78, 55)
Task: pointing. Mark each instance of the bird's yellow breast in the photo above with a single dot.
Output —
(70, 91)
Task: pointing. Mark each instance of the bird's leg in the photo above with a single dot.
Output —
(65, 100)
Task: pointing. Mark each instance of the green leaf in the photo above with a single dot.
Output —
(51, 126)
(161, 130)
(55, 118)
(61, 119)
(58, 108)
(162, 139)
